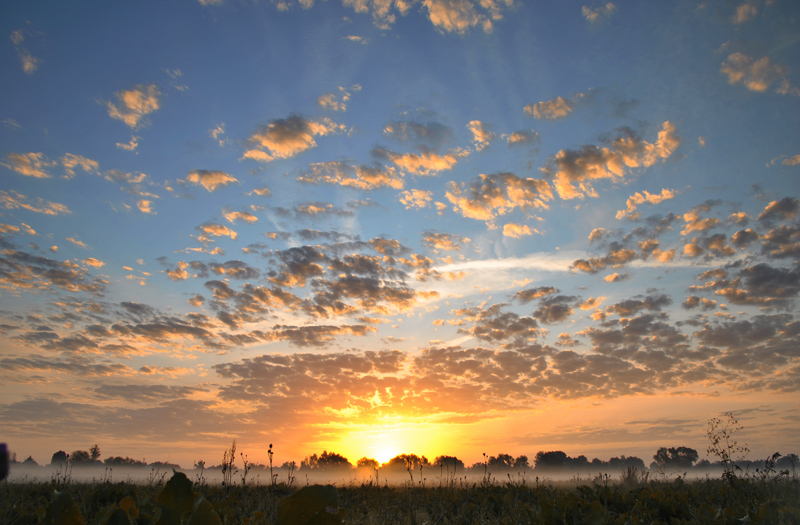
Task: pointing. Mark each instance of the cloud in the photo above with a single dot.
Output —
(555, 309)
(233, 216)
(598, 14)
(130, 146)
(13, 200)
(516, 231)
(210, 180)
(133, 105)
(761, 285)
(416, 198)
(569, 168)
(531, 294)
(556, 108)
(444, 241)
(785, 209)
(481, 136)
(70, 162)
(425, 163)
(214, 230)
(94, 263)
(285, 138)
(30, 164)
(459, 16)
(641, 197)
(345, 174)
(490, 196)
(29, 62)
(744, 12)
(519, 138)
(431, 136)
(756, 75)
(778, 243)
(337, 101)
(792, 161)
(20, 270)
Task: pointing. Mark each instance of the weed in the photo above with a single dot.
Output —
(228, 470)
(724, 446)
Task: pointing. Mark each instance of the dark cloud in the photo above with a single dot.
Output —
(781, 210)
(431, 136)
(526, 296)
(556, 309)
(23, 271)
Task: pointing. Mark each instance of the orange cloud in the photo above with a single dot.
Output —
(210, 180)
(640, 198)
(284, 138)
(133, 105)
(490, 196)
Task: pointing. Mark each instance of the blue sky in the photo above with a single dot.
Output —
(394, 226)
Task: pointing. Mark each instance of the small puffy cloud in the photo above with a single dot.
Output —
(130, 146)
(490, 196)
(744, 12)
(145, 205)
(337, 101)
(29, 62)
(70, 162)
(756, 75)
(30, 164)
(444, 241)
(531, 294)
(695, 222)
(13, 200)
(597, 14)
(573, 171)
(556, 108)
(261, 192)
(233, 216)
(551, 109)
(416, 198)
(591, 302)
(641, 197)
(210, 180)
(284, 138)
(431, 136)
(785, 209)
(133, 105)
(459, 16)
(425, 163)
(518, 138)
(214, 230)
(345, 174)
(792, 161)
(481, 136)
(78, 243)
(516, 231)
(615, 277)
(94, 263)
(179, 273)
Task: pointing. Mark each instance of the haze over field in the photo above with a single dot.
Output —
(376, 227)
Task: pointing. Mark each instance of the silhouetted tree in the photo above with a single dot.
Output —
(624, 462)
(366, 462)
(119, 461)
(680, 457)
(451, 463)
(30, 462)
(406, 461)
(521, 463)
(94, 453)
(576, 463)
(80, 456)
(501, 462)
(59, 457)
(555, 459)
(326, 460)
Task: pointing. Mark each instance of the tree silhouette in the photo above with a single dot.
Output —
(94, 452)
(80, 456)
(407, 461)
(326, 460)
(59, 457)
(554, 459)
(366, 462)
(680, 457)
(502, 461)
(451, 463)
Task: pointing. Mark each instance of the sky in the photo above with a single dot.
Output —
(393, 226)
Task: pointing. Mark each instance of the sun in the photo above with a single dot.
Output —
(384, 454)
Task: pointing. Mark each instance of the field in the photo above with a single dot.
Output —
(628, 499)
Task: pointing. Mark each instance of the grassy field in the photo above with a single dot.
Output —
(178, 500)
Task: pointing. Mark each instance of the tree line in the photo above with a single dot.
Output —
(672, 458)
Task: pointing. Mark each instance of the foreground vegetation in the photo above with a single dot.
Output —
(629, 499)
